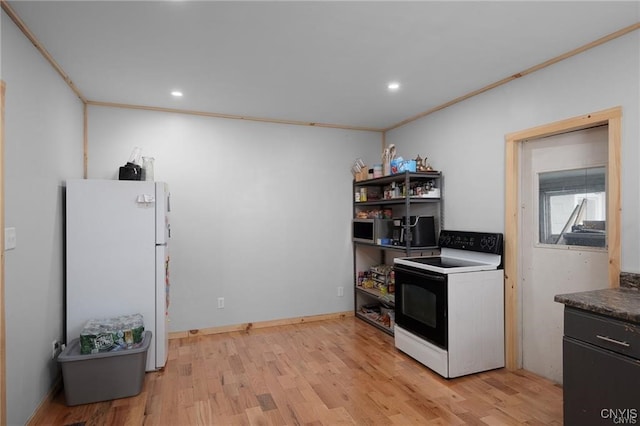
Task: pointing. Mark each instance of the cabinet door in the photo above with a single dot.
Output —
(600, 386)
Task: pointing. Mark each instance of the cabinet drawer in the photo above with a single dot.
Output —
(595, 381)
(618, 336)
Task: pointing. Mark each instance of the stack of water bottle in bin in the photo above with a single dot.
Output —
(112, 334)
(107, 361)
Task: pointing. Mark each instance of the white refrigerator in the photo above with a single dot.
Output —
(117, 256)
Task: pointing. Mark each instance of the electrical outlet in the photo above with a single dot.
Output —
(220, 302)
(55, 346)
(9, 238)
(340, 291)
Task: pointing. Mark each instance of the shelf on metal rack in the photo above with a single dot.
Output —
(401, 200)
(398, 177)
(398, 248)
(389, 299)
(375, 323)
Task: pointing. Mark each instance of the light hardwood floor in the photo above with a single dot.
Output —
(330, 372)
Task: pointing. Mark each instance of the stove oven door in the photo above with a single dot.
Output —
(421, 303)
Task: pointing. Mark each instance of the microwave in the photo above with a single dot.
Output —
(372, 230)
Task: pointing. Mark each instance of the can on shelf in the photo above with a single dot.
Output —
(363, 194)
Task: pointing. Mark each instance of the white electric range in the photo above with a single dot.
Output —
(449, 309)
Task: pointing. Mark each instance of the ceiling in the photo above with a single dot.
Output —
(321, 62)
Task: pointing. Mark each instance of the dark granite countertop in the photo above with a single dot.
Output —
(621, 303)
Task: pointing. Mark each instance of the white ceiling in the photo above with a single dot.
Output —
(326, 62)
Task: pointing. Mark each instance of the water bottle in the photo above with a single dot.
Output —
(147, 166)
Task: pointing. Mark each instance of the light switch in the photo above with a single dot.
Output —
(9, 238)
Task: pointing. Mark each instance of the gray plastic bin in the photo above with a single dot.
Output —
(102, 376)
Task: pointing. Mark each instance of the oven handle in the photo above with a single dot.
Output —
(425, 274)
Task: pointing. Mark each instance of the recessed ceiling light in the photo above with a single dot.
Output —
(176, 93)
(394, 85)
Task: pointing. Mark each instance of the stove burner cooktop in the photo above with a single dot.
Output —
(460, 252)
(449, 265)
(445, 262)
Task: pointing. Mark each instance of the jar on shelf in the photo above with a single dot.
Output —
(363, 194)
(147, 166)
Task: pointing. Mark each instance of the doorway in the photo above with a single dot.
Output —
(563, 235)
(513, 215)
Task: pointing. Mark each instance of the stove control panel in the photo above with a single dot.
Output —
(484, 242)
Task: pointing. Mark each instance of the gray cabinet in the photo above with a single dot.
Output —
(601, 369)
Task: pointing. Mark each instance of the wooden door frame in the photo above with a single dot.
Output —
(513, 147)
(3, 361)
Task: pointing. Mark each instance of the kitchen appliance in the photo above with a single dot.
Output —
(449, 309)
(372, 231)
(131, 171)
(118, 256)
(420, 231)
(396, 232)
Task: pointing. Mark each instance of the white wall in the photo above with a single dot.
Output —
(260, 212)
(276, 194)
(467, 141)
(43, 147)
